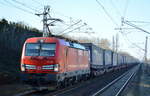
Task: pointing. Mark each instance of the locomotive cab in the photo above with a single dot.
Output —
(39, 57)
(39, 60)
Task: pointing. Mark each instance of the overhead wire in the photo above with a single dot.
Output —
(140, 21)
(69, 27)
(61, 14)
(131, 42)
(74, 29)
(67, 17)
(115, 7)
(27, 11)
(124, 14)
(107, 12)
(2, 3)
(126, 7)
(23, 4)
(133, 25)
(73, 22)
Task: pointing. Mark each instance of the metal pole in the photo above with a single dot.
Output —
(145, 56)
(117, 43)
(45, 19)
(45, 29)
(113, 42)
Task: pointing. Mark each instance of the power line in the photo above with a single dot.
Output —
(144, 23)
(131, 42)
(74, 29)
(70, 27)
(126, 7)
(107, 13)
(18, 2)
(2, 3)
(132, 25)
(140, 21)
(18, 7)
(67, 17)
(112, 3)
(61, 14)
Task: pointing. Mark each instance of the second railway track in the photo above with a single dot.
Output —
(115, 87)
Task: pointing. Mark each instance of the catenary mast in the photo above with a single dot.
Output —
(46, 18)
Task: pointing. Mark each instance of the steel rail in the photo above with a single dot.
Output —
(122, 88)
(111, 83)
(108, 85)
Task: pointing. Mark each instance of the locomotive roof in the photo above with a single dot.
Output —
(72, 44)
(62, 41)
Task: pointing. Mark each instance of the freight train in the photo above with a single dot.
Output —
(104, 60)
(52, 61)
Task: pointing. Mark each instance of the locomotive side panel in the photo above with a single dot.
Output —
(77, 62)
(71, 63)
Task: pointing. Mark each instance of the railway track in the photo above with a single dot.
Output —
(45, 91)
(115, 87)
(88, 88)
(96, 87)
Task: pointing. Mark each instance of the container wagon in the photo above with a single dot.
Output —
(96, 59)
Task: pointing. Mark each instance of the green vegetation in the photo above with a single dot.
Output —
(12, 37)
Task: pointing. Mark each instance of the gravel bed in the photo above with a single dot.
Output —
(12, 89)
(88, 88)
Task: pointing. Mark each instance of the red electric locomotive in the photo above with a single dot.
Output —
(50, 60)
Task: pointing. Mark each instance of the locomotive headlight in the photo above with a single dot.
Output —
(30, 66)
(22, 67)
(56, 67)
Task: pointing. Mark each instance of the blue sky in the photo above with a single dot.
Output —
(91, 12)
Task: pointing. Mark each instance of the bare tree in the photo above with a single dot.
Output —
(104, 43)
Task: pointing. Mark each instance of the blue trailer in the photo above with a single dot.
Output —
(96, 58)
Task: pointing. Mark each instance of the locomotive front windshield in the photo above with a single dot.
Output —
(43, 49)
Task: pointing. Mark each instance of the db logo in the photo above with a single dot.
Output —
(38, 67)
